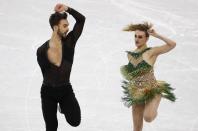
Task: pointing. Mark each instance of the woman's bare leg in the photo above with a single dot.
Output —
(150, 111)
(137, 112)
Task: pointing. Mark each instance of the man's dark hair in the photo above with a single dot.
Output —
(56, 17)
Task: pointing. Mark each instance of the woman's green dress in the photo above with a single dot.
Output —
(140, 85)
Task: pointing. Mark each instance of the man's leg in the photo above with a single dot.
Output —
(71, 109)
(49, 108)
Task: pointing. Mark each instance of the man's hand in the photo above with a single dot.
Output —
(60, 7)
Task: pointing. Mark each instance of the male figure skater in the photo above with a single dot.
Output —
(55, 58)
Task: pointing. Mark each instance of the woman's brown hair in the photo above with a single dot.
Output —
(145, 26)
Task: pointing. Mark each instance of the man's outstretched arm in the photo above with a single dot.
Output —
(80, 19)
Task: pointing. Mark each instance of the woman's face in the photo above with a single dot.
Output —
(140, 38)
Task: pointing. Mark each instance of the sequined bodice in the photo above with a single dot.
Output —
(140, 85)
(140, 73)
(145, 80)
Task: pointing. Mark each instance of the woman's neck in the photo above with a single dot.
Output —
(141, 48)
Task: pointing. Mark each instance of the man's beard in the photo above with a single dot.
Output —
(62, 34)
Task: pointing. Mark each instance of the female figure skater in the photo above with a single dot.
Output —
(141, 90)
(55, 58)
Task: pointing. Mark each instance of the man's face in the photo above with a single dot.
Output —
(140, 38)
(63, 28)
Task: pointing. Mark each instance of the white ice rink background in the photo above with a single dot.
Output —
(99, 54)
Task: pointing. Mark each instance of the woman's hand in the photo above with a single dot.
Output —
(170, 44)
(152, 32)
(60, 7)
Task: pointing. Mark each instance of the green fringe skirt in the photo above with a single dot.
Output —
(134, 95)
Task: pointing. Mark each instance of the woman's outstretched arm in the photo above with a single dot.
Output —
(158, 50)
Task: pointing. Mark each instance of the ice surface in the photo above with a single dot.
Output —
(99, 54)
